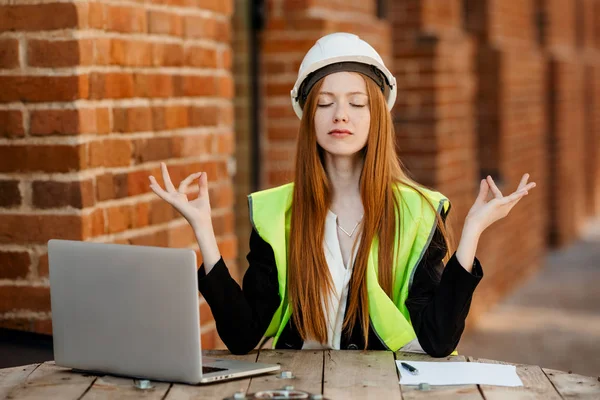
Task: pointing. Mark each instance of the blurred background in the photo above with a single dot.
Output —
(95, 94)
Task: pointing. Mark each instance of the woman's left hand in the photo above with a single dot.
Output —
(484, 213)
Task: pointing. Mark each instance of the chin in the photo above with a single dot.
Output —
(342, 151)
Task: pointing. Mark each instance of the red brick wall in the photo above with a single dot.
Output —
(510, 22)
(567, 150)
(589, 43)
(590, 40)
(94, 96)
(433, 64)
(561, 18)
(511, 128)
(472, 100)
(243, 135)
(439, 17)
(592, 139)
(566, 42)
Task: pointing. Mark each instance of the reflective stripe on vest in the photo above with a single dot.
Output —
(270, 214)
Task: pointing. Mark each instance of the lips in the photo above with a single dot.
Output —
(340, 132)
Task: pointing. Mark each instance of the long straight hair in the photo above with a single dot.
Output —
(309, 280)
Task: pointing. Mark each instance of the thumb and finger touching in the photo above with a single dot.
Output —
(497, 193)
(183, 186)
(523, 182)
(203, 185)
(484, 190)
(172, 195)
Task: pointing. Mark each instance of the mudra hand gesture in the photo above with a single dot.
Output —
(483, 213)
(196, 211)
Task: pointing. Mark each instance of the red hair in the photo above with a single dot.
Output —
(309, 280)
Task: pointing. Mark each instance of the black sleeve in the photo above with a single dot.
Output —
(242, 317)
(440, 297)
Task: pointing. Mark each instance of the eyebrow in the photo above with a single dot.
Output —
(333, 94)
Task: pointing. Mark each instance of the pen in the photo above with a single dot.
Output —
(410, 368)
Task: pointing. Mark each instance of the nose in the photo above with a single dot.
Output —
(341, 115)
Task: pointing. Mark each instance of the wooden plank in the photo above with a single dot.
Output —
(574, 386)
(12, 377)
(467, 392)
(360, 375)
(535, 384)
(305, 365)
(51, 382)
(216, 390)
(112, 387)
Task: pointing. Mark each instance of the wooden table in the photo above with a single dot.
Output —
(335, 374)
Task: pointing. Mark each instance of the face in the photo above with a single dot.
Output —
(342, 118)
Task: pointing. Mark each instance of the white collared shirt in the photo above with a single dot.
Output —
(340, 276)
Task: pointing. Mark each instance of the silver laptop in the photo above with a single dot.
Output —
(132, 311)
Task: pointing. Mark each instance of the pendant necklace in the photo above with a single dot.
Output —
(354, 229)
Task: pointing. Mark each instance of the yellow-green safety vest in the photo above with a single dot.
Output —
(270, 214)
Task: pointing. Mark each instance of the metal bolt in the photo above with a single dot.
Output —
(286, 375)
(288, 387)
(239, 395)
(143, 384)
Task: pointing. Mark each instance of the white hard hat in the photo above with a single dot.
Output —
(341, 52)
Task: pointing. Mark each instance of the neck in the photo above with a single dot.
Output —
(344, 177)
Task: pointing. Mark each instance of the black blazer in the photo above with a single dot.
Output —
(438, 301)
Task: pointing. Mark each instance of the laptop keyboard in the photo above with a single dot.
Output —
(208, 370)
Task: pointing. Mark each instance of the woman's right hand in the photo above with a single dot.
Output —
(197, 211)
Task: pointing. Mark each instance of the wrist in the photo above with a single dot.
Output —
(472, 228)
(201, 225)
(207, 243)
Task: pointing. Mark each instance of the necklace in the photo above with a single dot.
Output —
(353, 229)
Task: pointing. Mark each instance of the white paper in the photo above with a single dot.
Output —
(459, 373)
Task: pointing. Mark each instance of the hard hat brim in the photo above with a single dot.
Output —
(390, 92)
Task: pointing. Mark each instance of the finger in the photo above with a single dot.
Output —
(203, 184)
(484, 190)
(523, 182)
(166, 178)
(183, 186)
(518, 195)
(155, 187)
(526, 188)
(514, 200)
(497, 193)
(153, 181)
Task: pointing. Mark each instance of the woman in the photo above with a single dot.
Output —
(351, 255)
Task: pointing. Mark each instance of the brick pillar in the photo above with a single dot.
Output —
(472, 93)
(589, 40)
(566, 108)
(95, 95)
(436, 87)
(241, 45)
(512, 125)
(593, 139)
(594, 144)
(293, 28)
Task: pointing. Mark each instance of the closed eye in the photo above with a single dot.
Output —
(353, 105)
